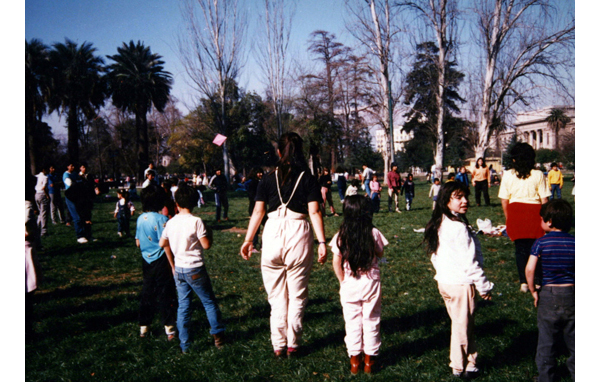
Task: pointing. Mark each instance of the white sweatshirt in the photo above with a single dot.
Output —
(458, 259)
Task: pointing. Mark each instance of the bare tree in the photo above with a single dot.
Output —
(212, 52)
(375, 24)
(163, 125)
(440, 18)
(272, 52)
(525, 46)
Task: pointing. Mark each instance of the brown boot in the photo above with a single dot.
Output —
(219, 340)
(369, 363)
(355, 363)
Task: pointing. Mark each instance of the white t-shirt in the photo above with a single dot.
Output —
(184, 233)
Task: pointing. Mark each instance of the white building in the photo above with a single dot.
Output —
(400, 139)
(532, 127)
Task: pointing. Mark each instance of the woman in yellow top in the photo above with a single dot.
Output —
(523, 190)
(481, 181)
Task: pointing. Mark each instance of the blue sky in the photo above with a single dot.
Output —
(109, 23)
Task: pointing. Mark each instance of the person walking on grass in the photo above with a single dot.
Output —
(288, 195)
(56, 204)
(158, 287)
(367, 174)
(357, 248)
(555, 300)
(186, 237)
(325, 182)
(71, 179)
(42, 200)
(375, 187)
(434, 191)
(219, 183)
(342, 182)
(123, 211)
(555, 180)
(394, 184)
(88, 190)
(408, 189)
(481, 181)
(457, 259)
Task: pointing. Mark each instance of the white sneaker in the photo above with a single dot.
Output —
(120, 234)
(524, 288)
(82, 240)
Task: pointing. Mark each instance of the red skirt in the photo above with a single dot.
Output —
(524, 221)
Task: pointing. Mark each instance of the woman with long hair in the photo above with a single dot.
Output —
(288, 195)
(481, 181)
(522, 192)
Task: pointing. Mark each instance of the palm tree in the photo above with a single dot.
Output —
(137, 81)
(78, 88)
(557, 119)
(36, 95)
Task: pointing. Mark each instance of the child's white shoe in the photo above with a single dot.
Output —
(143, 331)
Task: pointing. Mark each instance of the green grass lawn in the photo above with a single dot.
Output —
(86, 308)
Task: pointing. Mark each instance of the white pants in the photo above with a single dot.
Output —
(361, 304)
(286, 262)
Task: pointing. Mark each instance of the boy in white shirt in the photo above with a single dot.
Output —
(188, 237)
(434, 191)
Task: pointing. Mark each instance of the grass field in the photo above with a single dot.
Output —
(85, 311)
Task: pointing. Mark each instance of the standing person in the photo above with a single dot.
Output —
(357, 248)
(375, 187)
(394, 184)
(254, 178)
(481, 181)
(462, 176)
(150, 168)
(219, 183)
(325, 182)
(367, 174)
(522, 192)
(457, 259)
(434, 190)
(71, 180)
(341, 182)
(123, 211)
(85, 202)
(31, 246)
(408, 189)
(150, 178)
(56, 204)
(556, 299)
(555, 179)
(42, 200)
(186, 237)
(158, 288)
(291, 194)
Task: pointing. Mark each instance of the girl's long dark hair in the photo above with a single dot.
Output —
(292, 156)
(355, 239)
(482, 163)
(522, 159)
(431, 238)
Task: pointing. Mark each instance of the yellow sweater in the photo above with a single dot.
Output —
(555, 177)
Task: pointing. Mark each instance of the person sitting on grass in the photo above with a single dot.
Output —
(357, 248)
(123, 211)
(556, 298)
(187, 237)
(353, 187)
(158, 284)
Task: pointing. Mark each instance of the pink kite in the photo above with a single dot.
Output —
(219, 139)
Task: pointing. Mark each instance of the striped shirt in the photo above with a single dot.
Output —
(556, 251)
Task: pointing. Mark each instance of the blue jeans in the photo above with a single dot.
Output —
(556, 319)
(197, 280)
(555, 187)
(375, 201)
(409, 198)
(79, 230)
(221, 200)
(367, 188)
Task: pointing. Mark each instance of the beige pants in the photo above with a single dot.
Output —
(286, 262)
(460, 303)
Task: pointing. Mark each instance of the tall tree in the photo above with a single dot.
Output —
(78, 88)
(138, 81)
(557, 119)
(212, 52)
(525, 46)
(37, 82)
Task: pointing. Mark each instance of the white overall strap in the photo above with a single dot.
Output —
(293, 191)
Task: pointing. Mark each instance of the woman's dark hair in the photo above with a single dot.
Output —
(448, 189)
(355, 182)
(482, 163)
(153, 198)
(253, 173)
(292, 155)
(355, 239)
(560, 212)
(186, 196)
(522, 157)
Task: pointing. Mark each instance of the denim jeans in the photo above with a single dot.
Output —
(409, 198)
(375, 201)
(221, 200)
(556, 318)
(196, 280)
(123, 224)
(555, 187)
(79, 230)
(367, 188)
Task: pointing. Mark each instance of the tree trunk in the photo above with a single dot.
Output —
(73, 135)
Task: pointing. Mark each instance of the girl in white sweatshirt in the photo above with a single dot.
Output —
(456, 257)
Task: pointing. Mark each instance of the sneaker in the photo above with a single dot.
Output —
(292, 352)
(524, 288)
(219, 340)
(120, 234)
(144, 331)
(170, 332)
(82, 240)
(171, 337)
(471, 374)
(398, 211)
(456, 373)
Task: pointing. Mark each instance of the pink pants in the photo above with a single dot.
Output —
(460, 304)
(361, 304)
(286, 262)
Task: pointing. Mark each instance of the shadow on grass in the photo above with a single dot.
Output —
(83, 291)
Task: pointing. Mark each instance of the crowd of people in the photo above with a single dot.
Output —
(286, 202)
